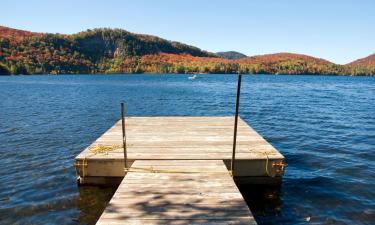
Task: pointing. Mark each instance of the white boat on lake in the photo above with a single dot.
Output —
(193, 77)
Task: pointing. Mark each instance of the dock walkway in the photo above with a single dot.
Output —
(195, 192)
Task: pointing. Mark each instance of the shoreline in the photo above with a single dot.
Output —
(181, 74)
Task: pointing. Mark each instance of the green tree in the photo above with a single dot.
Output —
(4, 70)
(13, 69)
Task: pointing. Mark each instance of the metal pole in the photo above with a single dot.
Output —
(236, 123)
(124, 134)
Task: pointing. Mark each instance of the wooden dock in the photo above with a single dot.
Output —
(178, 170)
(206, 196)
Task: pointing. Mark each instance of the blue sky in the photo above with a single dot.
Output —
(337, 30)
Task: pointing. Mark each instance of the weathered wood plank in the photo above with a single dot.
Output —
(177, 198)
(183, 138)
(239, 220)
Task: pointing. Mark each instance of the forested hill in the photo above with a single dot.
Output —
(231, 55)
(119, 51)
(85, 52)
(368, 61)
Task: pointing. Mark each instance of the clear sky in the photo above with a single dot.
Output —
(337, 30)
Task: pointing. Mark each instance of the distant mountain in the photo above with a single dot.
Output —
(364, 66)
(289, 63)
(119, 51)
(121, 43)
(368, 61)
(91, 51)
(231, 55)
(285, 57)
(6, 32)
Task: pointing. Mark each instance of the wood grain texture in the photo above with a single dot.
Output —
(177, 198)
(183, 138)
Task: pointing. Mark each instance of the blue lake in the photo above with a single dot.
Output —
(323, 125)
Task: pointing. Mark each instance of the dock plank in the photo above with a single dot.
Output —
(177, 198)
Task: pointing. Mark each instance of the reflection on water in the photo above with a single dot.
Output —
(91, 202)
(263, 200)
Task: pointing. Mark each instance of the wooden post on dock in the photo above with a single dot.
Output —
(124, 134)
(236, 123)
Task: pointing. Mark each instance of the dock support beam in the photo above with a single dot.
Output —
(124, 135)
(239, 77)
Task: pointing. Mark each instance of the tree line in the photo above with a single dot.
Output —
(119, 51)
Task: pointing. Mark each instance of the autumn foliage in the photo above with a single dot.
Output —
(119, 51)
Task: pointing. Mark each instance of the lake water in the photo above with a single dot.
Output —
(324, 126)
